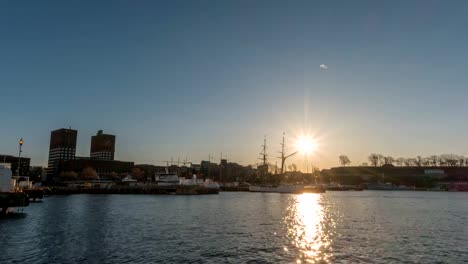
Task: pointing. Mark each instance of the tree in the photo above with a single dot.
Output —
(344, 160)
(418, 161)
(426, 162)
(68, 176)
(389, 160)
(364, 164)
(400, 161)
(449, 160)
(114, 176)
(434, 160)
(89, 173)
(292, 167)
(138, 174)
(381, 159)
(374, 159)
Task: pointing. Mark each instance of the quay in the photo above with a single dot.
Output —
(155, 190)
(12, 199)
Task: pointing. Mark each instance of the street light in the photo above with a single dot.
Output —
(19, 156)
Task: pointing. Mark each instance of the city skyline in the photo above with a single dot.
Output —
(189, 80)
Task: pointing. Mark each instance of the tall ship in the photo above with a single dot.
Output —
(264, 170)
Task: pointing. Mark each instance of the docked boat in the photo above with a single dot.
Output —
(174, 184)
(277, 189)
(10, 196)
(387, 187)
(27, 187)
(168, 179)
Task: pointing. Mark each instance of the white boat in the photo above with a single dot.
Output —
(278, 189)
(10, 195)
(168, 179)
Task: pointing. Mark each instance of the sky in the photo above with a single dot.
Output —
(190, 79)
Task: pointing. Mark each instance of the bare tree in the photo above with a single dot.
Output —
(426, 162)
(115, 176)
(344, 160)
(434, 160)
(409, 162)
(449, 159)
(374, 159)
(89, 173)
(400, 161)
(294, 167)
(68, 175)
(138, 174)
(389, 160)
(381, 159)
(418, 161)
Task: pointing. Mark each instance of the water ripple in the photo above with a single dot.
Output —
(348, 227)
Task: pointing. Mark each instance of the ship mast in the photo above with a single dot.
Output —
(283, 156)
(264, 155)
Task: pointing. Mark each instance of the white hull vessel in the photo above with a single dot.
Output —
(279, 189)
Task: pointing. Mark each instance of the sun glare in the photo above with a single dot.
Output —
(306, 145)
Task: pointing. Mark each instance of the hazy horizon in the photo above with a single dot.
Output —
(185, 79)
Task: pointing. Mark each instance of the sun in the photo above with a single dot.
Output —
(306, 145)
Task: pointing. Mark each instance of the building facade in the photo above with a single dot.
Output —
(62, 148)
(104, 168)
(102, 146)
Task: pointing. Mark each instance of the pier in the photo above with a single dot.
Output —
(12, 199)
(161, 190)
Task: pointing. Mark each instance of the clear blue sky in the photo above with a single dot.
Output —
(179, 78)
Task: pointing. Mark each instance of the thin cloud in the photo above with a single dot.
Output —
(323, 66)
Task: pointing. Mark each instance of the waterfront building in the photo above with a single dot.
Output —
(399, 175)
(104, 168)
(13, 161)
(102, 146)
(62, 148)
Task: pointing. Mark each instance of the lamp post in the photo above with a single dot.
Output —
(19, 156)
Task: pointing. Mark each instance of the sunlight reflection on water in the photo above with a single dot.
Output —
(307, 231)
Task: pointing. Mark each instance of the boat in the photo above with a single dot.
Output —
(174, 184)
(10, 195)
(338, 187)
(277, 189)
(387, 187)
(27, 187)
(168, 179)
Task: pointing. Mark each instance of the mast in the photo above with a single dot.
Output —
(264, 156)
(263, 153)
(282, 156)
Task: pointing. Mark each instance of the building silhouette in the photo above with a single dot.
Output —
(62, 148)
(102, 146)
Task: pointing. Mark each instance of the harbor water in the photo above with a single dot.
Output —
(334, 227)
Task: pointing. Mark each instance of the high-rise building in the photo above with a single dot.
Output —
(102, 146)
(62, 148)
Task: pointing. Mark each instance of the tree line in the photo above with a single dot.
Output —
(445, 160)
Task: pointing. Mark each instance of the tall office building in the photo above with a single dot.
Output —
(62, 148)
(102, 146)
